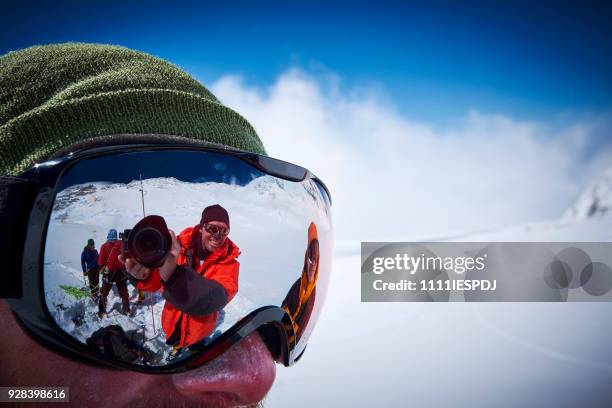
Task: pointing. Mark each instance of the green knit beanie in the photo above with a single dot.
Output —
(55, 95)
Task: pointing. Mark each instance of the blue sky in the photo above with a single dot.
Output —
(433, 61)
(442, 117)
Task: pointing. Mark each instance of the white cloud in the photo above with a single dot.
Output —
(394, 178)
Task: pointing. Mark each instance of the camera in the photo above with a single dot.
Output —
(123, 236)
(148, 242)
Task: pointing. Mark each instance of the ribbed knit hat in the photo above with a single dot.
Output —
(55, 95)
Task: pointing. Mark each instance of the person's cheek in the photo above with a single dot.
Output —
(24, 362)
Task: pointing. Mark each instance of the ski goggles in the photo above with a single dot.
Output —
(275, 282)
(215, 230)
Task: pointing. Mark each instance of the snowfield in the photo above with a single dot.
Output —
(460, 354)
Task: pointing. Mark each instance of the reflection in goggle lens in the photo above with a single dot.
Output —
(278, 252)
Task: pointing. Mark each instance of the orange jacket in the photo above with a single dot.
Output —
(220, 266)
(300, 300)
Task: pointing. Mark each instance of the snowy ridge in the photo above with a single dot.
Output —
(94, 202)
(595, 201)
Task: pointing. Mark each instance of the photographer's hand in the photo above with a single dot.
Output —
(141, 272)
(167, 269)
(134, 268)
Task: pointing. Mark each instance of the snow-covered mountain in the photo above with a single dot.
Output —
(92, 202)
(595, 201)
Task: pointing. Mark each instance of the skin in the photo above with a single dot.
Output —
(241, 376)
(212, 242)
(312, 265)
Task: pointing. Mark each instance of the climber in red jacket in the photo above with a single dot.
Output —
(198, 278)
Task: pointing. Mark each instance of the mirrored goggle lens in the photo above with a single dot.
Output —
(277, 253)
(215, 230)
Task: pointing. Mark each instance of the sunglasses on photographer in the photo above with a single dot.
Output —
(216, 231)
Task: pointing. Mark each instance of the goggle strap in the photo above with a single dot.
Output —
(16, 200)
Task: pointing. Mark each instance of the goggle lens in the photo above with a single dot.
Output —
(275, 223)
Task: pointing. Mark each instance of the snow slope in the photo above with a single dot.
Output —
(460, 354)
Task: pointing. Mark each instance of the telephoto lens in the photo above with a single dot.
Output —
(148, 242)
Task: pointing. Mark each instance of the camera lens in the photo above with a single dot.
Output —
(149, 241)
(149, 245)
